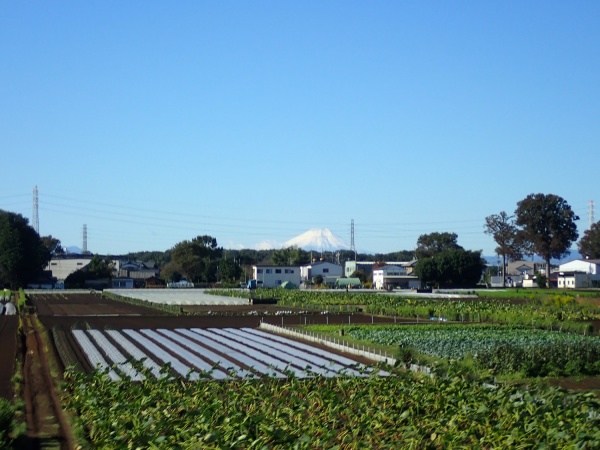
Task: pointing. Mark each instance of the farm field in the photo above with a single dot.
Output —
(248, 388)
(178, 296)
(68, 316)
(84, 305)
(211, 353)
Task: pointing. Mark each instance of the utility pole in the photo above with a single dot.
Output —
(352, 247)
(35, 220)
(84, 250)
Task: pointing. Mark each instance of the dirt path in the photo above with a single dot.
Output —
(47, 426)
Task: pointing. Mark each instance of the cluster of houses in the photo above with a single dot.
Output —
(579, 273)
(386, 275)
(576, 274)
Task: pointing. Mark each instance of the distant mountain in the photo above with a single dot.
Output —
(317, 239)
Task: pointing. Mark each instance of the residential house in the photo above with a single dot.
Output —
(328, 270)
(367, 266)
(390, 276)
(579, 273)
(273, 276)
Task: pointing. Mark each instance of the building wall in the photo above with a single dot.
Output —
(62, 268)
(380, 275)
(580, 265)
(275, 276)
(574, 281)
(326, 269)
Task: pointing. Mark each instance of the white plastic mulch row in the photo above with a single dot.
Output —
(135, 352)
(208, 339)
(329, 355)
(318, 364)
(188, 356)
(213, 353)
(178, 297)
(297, 362)
(115, 355)
(196, 343)
(160, 354)
(93, 355)
(257, 355)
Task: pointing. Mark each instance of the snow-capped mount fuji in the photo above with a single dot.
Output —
(318, 239)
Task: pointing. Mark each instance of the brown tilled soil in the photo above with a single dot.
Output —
(46, 422)
(8, 352)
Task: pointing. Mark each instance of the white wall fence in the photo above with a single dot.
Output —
(337, 344)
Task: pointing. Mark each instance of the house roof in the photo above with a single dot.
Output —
(389, 266)
(348, 282)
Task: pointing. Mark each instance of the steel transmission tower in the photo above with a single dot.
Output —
(591, 214)
(352, 247)
(84, 249)
(35, 219)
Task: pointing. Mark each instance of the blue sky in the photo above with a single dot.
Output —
(155, 122)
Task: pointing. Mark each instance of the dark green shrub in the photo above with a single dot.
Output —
(7, 414)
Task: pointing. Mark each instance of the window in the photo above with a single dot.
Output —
(277, 270)
(269, 270)
(79, 264)
(53, 264)
(258, 270)
(278, 281)
(325, 270)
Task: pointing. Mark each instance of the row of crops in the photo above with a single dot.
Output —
(212, 353)
(499, 349)
(569, 316)
(344, 412)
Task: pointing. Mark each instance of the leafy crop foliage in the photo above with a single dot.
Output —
(7, 413)
(501, 349)
(557, 311)
(401, 410)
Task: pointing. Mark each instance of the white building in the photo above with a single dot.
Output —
(389, 276)
(61, 268)
(573, 280)
(274, 276)
(367, 266)
(328, 270)
(590, 266)
(579, 273)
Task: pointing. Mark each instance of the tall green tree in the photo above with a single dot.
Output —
(22, 253)
(589, 244)
(433, 243)
(197, 259)
(548, 224)
(53, 245)
(506, 234)
(229, 270)
(451, 268)
(290, 256)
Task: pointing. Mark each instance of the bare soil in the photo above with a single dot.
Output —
(8, 353)
(46, 421)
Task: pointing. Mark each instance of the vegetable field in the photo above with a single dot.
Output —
(217, 381)
(559, 311)
(211, 354)
(400, 411)
(502, 349)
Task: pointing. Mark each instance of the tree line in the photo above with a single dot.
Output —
(542, 224)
